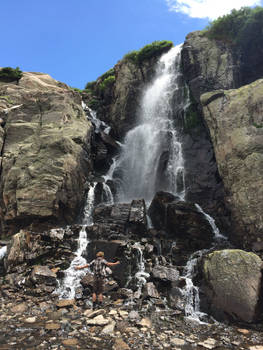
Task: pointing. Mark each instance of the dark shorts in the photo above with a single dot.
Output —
(98, 285)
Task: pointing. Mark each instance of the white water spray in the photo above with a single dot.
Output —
(151, 156)
(217, 234)
(191, 292)
(141, 276)
(3, 251)
(71, 281)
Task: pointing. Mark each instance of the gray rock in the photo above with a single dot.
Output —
(233, 284)
(165, 273)
(43, 275)
(236, 127)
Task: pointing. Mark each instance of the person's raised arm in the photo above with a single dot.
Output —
(113, 263)
(81, 267)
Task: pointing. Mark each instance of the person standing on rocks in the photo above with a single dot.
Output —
(98, 266)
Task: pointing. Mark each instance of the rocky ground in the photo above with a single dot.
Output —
(47, 323)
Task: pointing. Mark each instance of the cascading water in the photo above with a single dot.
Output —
(217, 234)
(151, 156)
(191, 292)
(3, 251)
(72, 278)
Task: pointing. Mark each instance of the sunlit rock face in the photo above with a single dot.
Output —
(233, 284)
(45, 142)
(234, 118)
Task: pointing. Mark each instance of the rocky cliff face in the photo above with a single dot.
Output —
(234, 118)
(209, 65)
(45, 158)
(117, 104)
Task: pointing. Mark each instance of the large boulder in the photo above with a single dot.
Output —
(181, 219)
(45, 153)
(233, 284)
(234, 118)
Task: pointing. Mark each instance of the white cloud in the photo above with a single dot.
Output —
(208, 8)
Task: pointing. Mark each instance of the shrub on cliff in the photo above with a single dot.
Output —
(109, 81)
(151, 50)
(8, 74)
(240, 27)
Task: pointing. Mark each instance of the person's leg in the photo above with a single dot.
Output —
(95, 292)
(94, 297)
(100, 298)
(100, 290)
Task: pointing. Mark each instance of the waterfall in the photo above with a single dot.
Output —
(217, 234)
(140, 276)
(3, 251)
(191, 292)
(71, 281)
(92, 116)
(151, 157)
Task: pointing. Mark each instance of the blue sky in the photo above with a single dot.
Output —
(76, 41)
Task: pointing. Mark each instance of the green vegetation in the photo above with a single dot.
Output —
(239, 27)
(8, 74)
(109, 81)
(90, 86)
(109, 73)
(76, 89)
(151, 50)
(7, 98)
(258, 126)
(94, 103)
(191, 119)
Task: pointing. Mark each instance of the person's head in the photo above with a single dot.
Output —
(100, 255)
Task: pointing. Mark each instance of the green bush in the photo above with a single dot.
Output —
(104, 76)
(90, 86)
(151, 50)
(76, 89)
(8, 74)
(109, 81)
(131, 56)
(239, 27)
(94, 104)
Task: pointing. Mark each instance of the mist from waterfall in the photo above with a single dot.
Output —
(151, 155)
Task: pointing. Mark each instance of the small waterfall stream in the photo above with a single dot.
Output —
(71, 281)
(3, 251)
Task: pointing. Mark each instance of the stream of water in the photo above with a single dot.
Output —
(151, 155)
(67, 287)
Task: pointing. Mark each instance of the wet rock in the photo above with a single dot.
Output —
(181, 219)
(233, 284)
(164, 273)
(137, 222)
(43, 275)
(158, 208)
(150, 291)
